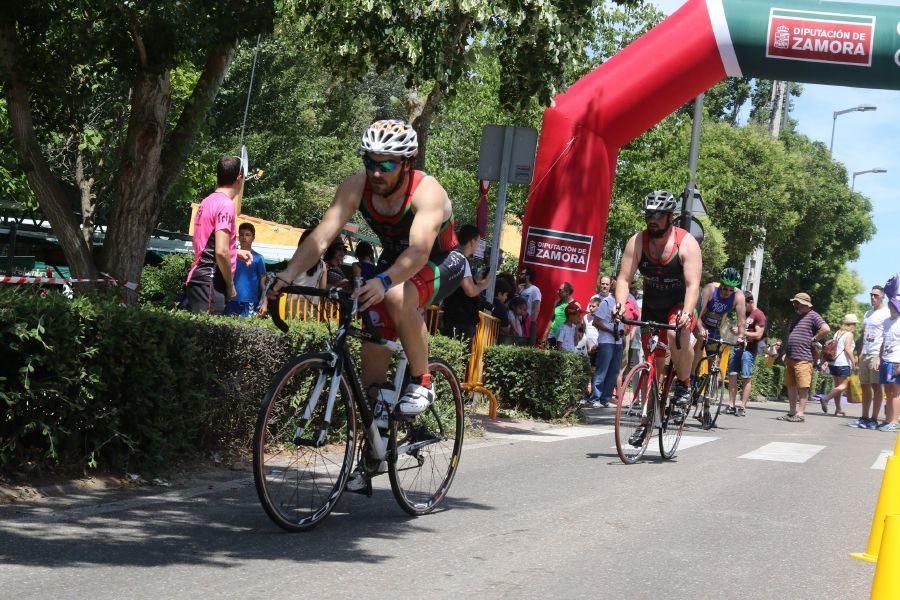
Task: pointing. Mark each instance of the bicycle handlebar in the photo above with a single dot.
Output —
(344, 298)
(650, 325)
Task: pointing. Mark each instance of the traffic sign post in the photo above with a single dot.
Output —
(506, 155)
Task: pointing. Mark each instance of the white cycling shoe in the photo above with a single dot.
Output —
(415, 400)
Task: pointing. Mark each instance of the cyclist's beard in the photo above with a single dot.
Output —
(389, 191)
(655, 231)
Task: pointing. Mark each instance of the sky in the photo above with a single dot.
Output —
(862, 141)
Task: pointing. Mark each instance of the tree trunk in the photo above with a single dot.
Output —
(150, 165)
(421, 115)
(88, 206)
(137, 203)
(54, 203)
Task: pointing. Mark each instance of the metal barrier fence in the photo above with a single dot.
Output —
(292, 306)
(486, 334)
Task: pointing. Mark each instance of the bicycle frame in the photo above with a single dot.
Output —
(340, 361)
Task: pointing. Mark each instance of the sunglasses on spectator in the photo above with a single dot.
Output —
(875, 295)
(654, 215)
(726, 288)
(385, 166)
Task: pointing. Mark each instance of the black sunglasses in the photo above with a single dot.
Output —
(654, 215)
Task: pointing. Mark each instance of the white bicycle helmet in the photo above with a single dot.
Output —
(390, 136)
(660, 200)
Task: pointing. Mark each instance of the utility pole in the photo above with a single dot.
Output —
(778, 120)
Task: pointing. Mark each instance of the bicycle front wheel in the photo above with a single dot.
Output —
(712, 401)
(671, 424)
(300, 465)
(425, 449)
(634, 415)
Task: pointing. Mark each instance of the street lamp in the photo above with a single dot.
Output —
(853, 182)
(837, 113)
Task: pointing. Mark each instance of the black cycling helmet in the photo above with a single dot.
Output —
(731, 276)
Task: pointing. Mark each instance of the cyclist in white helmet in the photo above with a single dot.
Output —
(419, 265)
(670, 261)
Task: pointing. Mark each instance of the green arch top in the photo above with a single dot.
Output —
(821, 41)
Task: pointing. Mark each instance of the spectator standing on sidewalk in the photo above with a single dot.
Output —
(568, 334)
(532, 295)
(462, 306)
(591, 334)
(869, 358)
(807, 328)
(210, 281)
(609, 352)
(519, 319)
(565, 292)
(365, 261)
(742, 362)
(500, 309)
(603, 286)
(844, 363)
(249, 280)
(315, 276)
(334, 259)
(890, 357)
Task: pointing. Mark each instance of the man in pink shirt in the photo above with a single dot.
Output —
(210, 282)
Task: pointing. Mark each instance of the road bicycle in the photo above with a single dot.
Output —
(709, 388)
(307, 432)
(644, 402)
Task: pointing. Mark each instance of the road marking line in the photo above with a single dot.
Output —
(784, 452)
(687, 441)
(557, 434)
(881, 462)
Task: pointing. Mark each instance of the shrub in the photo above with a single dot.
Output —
(546, 384)
(160, 285)
(92, 380)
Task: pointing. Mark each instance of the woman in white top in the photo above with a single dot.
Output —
(890, 360)
(844, 363)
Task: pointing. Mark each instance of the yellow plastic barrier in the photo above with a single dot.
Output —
(888, 503)
(486, 334)
(886, 584)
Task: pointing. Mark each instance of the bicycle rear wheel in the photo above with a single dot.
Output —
(634, 415)
(300, 470)
(671, 424)
(425, 450)
(712, 401)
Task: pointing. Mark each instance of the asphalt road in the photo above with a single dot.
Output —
(532, 514)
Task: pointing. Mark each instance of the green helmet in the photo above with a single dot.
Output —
(730, 276)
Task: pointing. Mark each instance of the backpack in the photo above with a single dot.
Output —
(830, 350)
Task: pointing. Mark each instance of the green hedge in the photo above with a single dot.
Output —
(92, 380)
(546, 384)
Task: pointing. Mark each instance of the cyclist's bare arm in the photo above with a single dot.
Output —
(740, 305)
(432, 207)
(629, 265)
(343, 207)
(692, 263)
(704, 301)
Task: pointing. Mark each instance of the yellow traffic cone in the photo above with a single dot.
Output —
(886, 585)
(888, 503)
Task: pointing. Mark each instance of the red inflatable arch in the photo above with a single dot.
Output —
(818, 41)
